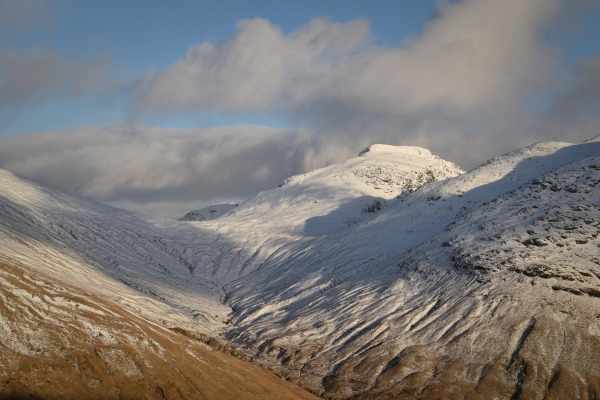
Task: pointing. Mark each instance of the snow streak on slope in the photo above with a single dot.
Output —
(411, 220)
(360, 298)
(110, 252)
(58, 341)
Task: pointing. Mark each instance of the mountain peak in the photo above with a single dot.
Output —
(379, 149)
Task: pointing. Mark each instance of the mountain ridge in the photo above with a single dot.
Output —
(445, 289)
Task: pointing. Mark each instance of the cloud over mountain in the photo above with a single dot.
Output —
(462, 87)
(164, 171)
(474, 55)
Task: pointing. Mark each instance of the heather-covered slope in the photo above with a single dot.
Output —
(58, 341)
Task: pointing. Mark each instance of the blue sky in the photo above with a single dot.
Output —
(162, 107)
(139, 34)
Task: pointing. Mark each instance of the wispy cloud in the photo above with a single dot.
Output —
(22, 14)
(35, 76)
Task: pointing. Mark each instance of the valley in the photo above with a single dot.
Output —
(392, 274)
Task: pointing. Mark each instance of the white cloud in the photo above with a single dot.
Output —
(475, 55)
(252, 71)
(129, 165)
(458, 88)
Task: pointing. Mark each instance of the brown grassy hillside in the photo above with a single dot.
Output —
(60, 342)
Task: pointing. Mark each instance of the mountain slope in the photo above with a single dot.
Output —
(481, 284)
(108, 251)
(208, 213)
(396, 285)
(58, 341)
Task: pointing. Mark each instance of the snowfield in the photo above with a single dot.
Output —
(393, 273)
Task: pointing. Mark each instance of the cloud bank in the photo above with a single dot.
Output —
(475, 55)
(460, 88)
(161, 170)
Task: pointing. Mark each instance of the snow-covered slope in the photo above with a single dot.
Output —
(393, 273)
(318, 203)
(140, 261)
(332, 198)
(208, 213)
(429, 277)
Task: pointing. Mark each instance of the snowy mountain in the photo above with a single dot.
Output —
(208, 213)
(332, 198)
(391, 274)
(101, 303)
